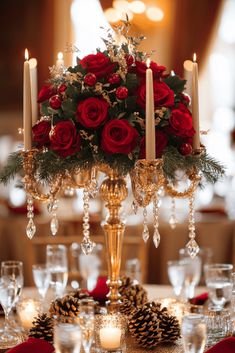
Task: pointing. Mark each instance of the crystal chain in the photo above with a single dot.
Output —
(87, 245)
(156, 207)
(192, 245)
(31, 228)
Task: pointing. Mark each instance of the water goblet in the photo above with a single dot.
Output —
(176, 275)
(133, 270)
(8, 295)
(193, 333)
(87, 319)
(13, 270)
(41, 276)
(57, 264)
(67, 335)
(193, 269)
(89, 266)
(219, 283)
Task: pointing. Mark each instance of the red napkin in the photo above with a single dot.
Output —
(200, 299)
(33, 345)
(101, 290)
(227, 345)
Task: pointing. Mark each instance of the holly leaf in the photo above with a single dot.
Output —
(131, 103)
(175, 83)
(44, 108)
(69, 107)
(131, 81)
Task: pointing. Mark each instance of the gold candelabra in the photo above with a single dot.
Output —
(147, 179)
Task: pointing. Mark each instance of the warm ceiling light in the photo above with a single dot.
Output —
(121, 5)
(112, 15)
(137, 6)
(154, 13)
(188, 65)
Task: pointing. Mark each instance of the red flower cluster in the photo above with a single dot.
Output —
(102, 108)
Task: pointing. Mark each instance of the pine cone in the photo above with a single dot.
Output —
(168, 324)
(144, 326)
(67, 306)
(42, 328)
(135, 294)
(79, 294)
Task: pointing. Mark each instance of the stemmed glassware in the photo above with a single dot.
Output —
(193, 333)
(89, 266)
(193, 269)
(176, 274)
(87, 321)
(8, 295)
(41, 276)
(219, 283)
(57, 264)
(13, 270)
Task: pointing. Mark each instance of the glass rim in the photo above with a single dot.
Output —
(42, 266)
(218, 266)
(11, 263)
(193, 316)
(56, 246)
(178, 262)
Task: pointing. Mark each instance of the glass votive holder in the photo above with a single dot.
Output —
(110, 332)
(219, 325)
(67, 334)
(174, 307)
(27, 310)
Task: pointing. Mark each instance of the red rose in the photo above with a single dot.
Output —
(163, 95)
(41, 132)
(55, 102)
(46, 92)
(181, 123)
(92, 112)
(118, 136)
(141, 68)
(64, 138)
(98, 64)
(161, 143)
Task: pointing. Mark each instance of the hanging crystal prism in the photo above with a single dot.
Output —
(31, 228)
(156, 234)
(52, 208)
(87, 244)
(172, 220)
(93, 185)
(192, 245)
(145, 234)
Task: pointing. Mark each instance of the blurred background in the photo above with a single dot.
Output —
(174, 29)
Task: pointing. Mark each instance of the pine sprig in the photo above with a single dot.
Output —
(209, 168)
(14, 165)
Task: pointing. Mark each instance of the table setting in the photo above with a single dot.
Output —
(113, 116)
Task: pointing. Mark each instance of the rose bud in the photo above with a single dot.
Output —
(121, 93)
(90, 79)
(186, 149)
(62, 88)
(114, 79)
(55, 102)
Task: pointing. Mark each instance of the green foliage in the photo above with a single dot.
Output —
(175, 83)
(14, 166)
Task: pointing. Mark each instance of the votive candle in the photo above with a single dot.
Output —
(110, 337)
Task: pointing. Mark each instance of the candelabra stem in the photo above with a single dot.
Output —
(113, 191)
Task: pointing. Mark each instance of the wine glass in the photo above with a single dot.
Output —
(41, 276)
(87, 319)
(8, 295)
(219, 283)
(14, 271)
(193, 333)
(193, 269)
(176, 274)
(57, 264)
(89, 266)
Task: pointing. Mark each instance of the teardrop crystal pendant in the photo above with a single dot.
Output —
(156, 238)
(145, 233)
(134, 207)
(54, 225)
(193, 248)
(30, 229)
(87, 246)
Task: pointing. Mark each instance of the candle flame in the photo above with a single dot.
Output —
(26, 54)
(148, 62)
(172, 73)
(194, 57)
(60, 56)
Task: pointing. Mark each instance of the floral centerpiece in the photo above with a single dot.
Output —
(94, 113)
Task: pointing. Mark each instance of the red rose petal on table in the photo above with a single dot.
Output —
(33, 345)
